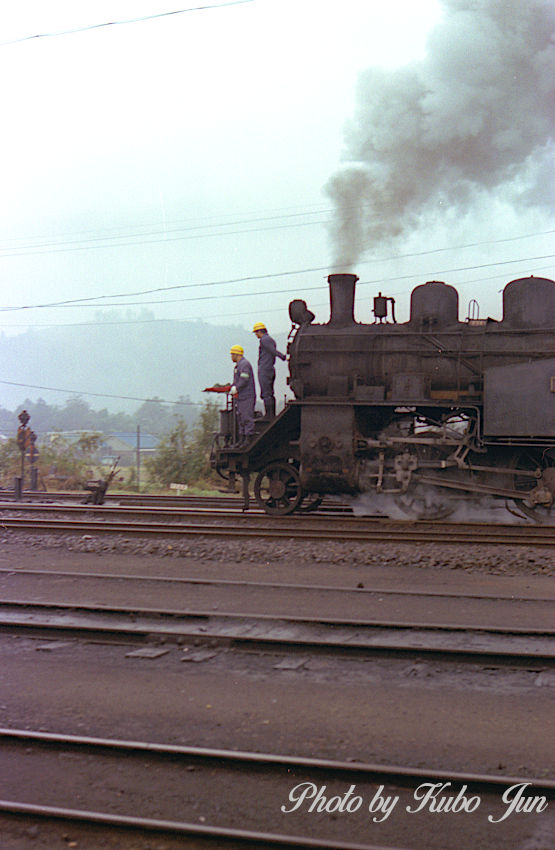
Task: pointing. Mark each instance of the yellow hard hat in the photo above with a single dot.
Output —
(237, 349)
(259, 326)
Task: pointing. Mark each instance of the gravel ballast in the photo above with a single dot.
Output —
(487, 558)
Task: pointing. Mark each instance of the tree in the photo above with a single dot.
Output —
(76, 412)
(8, 421)
(69, 463)
(41, 414)
(204, 436)
(10, 462)
(181, 459)
(184, 408)
(87, 446)
(170, 463)
(60, 461)
(153, 416)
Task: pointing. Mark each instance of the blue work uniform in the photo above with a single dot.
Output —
(267, 353)
(243, 380)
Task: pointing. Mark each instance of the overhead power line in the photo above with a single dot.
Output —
(319, 287)
(77, 241)
(197, 223)
(100, 323)
(127, 21)
(161, 237)
(85, 302)
(102, 395)
(219, 229)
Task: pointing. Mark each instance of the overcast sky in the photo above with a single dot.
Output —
(205, 159)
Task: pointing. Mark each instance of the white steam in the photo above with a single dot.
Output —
(476, 116)
(431, 503)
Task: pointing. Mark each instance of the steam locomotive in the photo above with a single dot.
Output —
(426, 413)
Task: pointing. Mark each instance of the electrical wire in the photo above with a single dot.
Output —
(103, 395)
(128, 21)
(166, 236)
(163, 240)
(164, 401)
(270, 214)
(76, 244)
(84, 302)
(227, 315)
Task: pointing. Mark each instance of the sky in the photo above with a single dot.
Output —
(215, 163)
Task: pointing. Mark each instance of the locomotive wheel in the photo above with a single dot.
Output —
(277, 489)
(530, 461)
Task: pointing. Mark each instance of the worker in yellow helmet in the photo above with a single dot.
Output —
(267, 353)
(244, 392)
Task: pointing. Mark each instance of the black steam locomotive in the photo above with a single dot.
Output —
(425, 413)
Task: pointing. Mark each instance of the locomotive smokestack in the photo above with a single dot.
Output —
(342, 299)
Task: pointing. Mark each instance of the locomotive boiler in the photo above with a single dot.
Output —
(426, 412)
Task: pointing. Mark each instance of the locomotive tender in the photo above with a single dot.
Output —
(426, 412)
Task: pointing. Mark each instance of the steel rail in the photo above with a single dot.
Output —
(291, 522)
(139, 499)
(222, 512)
(397, 775)
(315, 634)
(146, 500)
(435, 594)
(329, 506)
(136, 611)
(231, 504)
(402, 774)
(321, 532)
(242, 836)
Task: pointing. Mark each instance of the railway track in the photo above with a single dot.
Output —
(501, 645)
(246, 585)
(146, 500)
(274, 782)
(176, 522)
(229, 501)
(219, 798)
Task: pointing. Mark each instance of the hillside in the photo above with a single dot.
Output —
(127, 361)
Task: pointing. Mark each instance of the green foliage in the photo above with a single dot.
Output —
(60, 463)
(154, 417)
(10, 462)
(181, 457)
(65, 462)
(171, 461)
(208, 424)
(76, 415)
(68, 463)
(87, 445)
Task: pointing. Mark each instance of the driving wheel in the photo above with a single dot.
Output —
(277, 489)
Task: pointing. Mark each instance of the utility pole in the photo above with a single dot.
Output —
(138, 458)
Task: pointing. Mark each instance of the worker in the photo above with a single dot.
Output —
(244, 393)
(267, 353)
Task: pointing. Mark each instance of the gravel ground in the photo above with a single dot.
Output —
(401, 714)
(488, 559)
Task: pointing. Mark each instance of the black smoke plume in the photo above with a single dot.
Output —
(474, 118)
